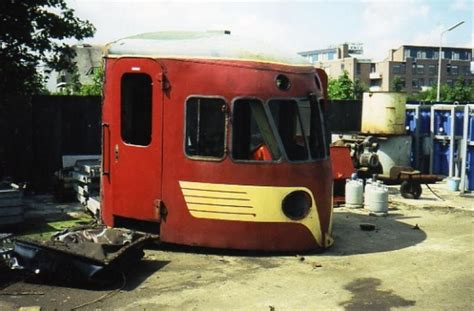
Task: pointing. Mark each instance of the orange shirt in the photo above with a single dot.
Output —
(261, 153)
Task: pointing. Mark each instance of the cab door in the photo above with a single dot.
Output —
(136, 139)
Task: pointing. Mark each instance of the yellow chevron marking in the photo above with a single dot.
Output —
(245, 203)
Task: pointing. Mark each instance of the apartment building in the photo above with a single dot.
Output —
(344, 57)
(417, 68)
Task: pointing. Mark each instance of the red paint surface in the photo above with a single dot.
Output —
(227, 79)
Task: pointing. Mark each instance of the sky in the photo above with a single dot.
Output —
(294, 25)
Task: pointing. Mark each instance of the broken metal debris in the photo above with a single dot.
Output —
(85, 254)
(80, 179)
(367, 227)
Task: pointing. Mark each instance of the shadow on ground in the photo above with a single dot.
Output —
(390, 234)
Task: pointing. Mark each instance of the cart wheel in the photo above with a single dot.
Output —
(410, 190)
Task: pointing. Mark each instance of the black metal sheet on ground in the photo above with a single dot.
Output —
(86, 254)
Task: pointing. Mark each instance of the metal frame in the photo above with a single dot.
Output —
(451, 138)
(466, 143)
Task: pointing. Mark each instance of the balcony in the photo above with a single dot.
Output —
(375, 75)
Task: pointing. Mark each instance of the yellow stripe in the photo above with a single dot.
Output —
(245, 203)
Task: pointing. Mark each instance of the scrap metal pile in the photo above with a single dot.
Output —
(80, 181)
(83, 254)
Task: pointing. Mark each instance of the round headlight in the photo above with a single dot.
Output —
(296, 205)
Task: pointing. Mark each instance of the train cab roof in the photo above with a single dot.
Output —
(202, 45)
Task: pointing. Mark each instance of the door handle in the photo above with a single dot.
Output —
(116, 152)
(105, 149)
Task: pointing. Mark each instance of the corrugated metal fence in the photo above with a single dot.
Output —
(36, 132)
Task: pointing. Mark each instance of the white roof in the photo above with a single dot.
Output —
(204, 45)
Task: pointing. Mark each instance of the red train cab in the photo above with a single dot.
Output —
(218, 140)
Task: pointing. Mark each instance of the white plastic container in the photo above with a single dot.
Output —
(354, 193)
(376, 198)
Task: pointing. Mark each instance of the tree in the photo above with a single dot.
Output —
(76, 88)
(397, 84)
(461, 91)
(359, 88)
(341, 88)
(31, 36)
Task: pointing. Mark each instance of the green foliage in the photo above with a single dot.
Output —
(359, 88)
(344, 88)
(76, 88)
(397, 84)
(341, 88)
(31, 36)
(97, 83)
(461, 91)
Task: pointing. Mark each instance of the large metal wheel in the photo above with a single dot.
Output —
(410, 190)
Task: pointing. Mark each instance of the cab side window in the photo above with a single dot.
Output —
(205, 127)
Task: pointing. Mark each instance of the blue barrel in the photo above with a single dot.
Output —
(470, 127)
(425, 116)
(470, 167)
(441, 158)
(410, 121)
(459, 123)
(442, 122)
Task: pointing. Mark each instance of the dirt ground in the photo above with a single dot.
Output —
(420, 257)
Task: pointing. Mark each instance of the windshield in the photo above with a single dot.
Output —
(299, 126)
(262, 133)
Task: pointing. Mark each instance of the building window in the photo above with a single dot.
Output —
(454, 70)
(372, 67)
(396, 69)
(252, 136)
(467, 70)
(449, 82)
(407, 53)
(421, 54)
(205, 127)
(432, 70)
(455, 55)
(421, 82)
(420, 69)
(431, 82)
(331, 55)
(358, 70)
(136, 108)
(399, 69)
(342, 66)
(415, 84)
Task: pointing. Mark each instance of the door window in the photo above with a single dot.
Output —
(136, 108)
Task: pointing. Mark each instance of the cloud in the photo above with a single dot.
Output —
(460, 5)
(386, 24)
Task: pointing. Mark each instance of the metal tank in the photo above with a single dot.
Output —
(394, 151)
(383, 113)
(354, 193)
(376, 197)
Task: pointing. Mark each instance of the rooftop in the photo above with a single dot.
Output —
(203, 45)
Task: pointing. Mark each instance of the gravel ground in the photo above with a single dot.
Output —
(419, 257)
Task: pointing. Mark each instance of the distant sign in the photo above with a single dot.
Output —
(355, 48)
